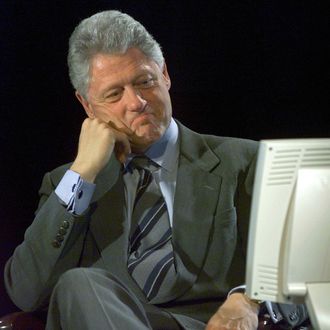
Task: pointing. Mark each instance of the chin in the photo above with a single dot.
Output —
(150, 132)
(146, 136)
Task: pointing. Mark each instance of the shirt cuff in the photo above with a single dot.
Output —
(74, 192)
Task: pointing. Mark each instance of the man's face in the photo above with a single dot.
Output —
(131, 92)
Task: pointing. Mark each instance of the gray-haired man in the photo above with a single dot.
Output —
(85, 254)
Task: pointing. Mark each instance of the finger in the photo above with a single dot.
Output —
(121, 128)
(122, 146)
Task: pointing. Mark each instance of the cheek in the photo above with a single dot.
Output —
(163, 106)
(105, 113)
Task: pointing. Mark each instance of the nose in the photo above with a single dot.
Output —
(134, 100)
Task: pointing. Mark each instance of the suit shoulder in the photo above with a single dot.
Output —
(233, 152)
(232, 146)
(227, 141)
(216, 142)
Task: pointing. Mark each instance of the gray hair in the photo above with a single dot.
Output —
(109, 32)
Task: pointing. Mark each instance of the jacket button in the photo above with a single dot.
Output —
(62, 231)
(56, 244)
(65, 224)
(59, 238)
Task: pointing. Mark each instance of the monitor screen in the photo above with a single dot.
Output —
(288, 256)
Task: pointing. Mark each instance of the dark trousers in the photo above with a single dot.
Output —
(90, 298)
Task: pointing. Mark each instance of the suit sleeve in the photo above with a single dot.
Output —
(52, 244)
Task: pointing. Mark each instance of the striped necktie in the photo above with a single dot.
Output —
(151, 258)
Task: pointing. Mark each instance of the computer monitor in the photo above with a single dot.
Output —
(288, 257)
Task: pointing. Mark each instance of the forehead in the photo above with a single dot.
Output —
(105, 66)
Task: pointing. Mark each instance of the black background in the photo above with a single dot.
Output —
(252, 69)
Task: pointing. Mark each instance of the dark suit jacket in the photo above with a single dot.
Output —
(210, 223)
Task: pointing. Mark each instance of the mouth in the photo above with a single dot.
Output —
(142, 118)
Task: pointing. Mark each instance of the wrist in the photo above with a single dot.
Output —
(243, 300)
(240, 290)
(86, 173)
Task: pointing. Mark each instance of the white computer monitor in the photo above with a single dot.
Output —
(288, 256)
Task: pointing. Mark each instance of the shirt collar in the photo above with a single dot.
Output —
(165, 151)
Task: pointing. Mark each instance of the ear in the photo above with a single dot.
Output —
(166, 77)
(86, 105)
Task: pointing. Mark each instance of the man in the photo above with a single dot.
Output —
(86, 256)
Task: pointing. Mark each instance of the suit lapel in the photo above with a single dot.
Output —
(107, 217)
(107, 178)
(108, 224)
(196, 197)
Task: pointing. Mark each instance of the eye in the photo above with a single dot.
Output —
(145, 83)
(113, 96)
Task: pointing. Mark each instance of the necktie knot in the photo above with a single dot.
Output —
(143, 162)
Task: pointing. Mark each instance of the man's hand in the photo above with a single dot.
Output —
(97, 141)
(238, 312)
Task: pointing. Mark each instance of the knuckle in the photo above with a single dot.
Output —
(86, 122)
